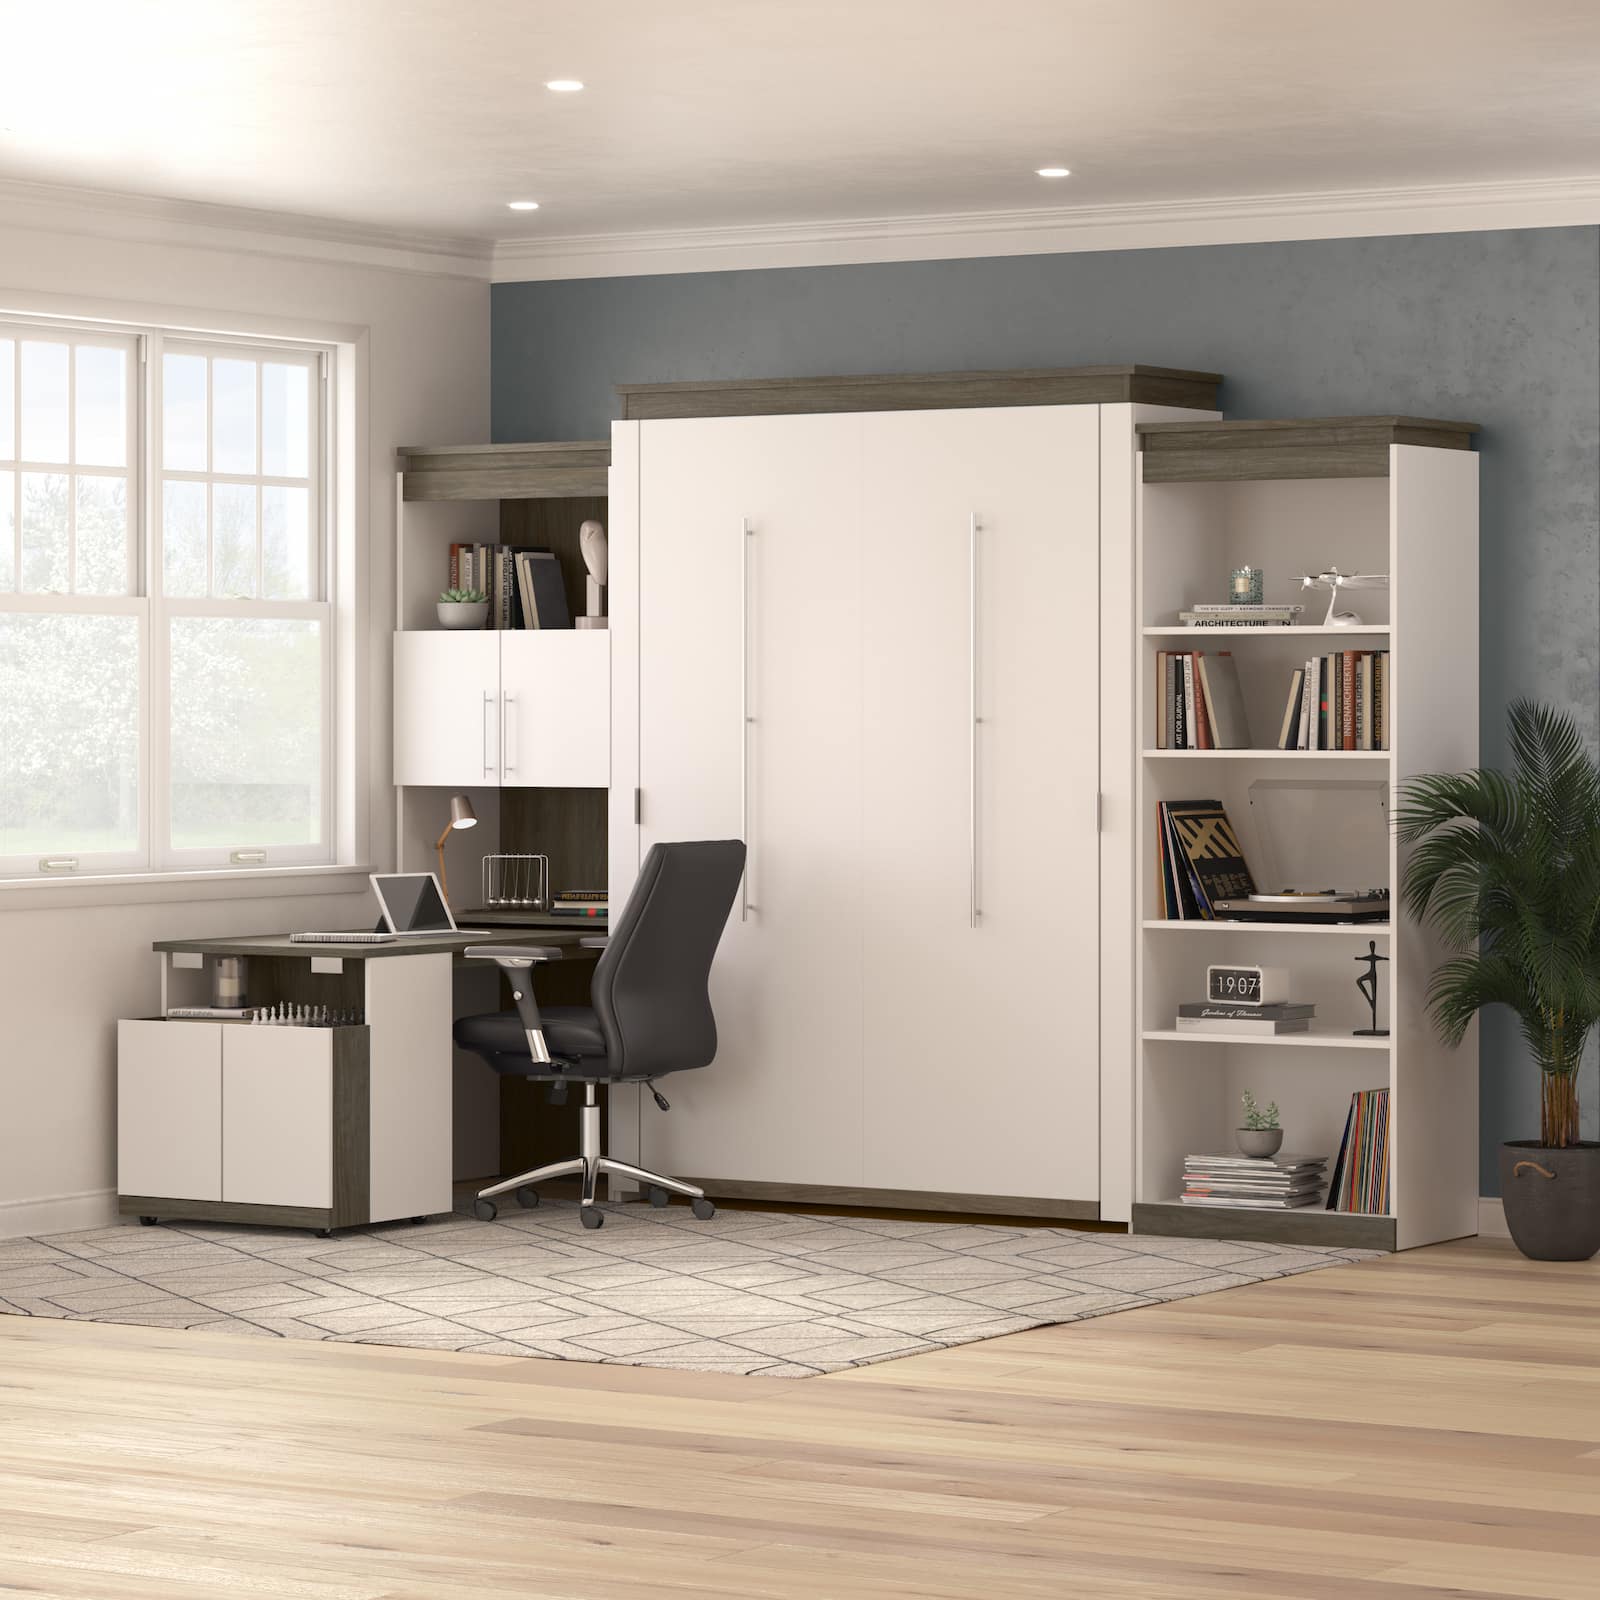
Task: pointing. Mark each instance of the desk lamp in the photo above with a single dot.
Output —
(461, 816)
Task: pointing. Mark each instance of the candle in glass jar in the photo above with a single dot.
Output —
(1245, 586)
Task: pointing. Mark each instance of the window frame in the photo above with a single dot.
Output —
(157, 857)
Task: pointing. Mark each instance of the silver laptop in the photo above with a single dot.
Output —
(413, 907)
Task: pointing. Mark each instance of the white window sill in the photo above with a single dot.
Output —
(153, 888)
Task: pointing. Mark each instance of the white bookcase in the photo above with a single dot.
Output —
(1371, 494)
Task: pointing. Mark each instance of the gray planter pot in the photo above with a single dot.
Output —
(462, 614)
(1552, 1199)
(1259, 1141)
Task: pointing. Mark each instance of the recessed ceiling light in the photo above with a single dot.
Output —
(564, 85)
(523, 205)
(1055, 172)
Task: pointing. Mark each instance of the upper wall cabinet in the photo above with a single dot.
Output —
(508, 709)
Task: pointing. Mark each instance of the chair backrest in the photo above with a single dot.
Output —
(651, 989)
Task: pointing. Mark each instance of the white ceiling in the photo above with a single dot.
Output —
(426, 116)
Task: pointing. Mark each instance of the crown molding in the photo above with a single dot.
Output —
(238, 229)
(1243, 219)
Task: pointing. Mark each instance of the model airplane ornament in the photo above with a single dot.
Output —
(1333, 580)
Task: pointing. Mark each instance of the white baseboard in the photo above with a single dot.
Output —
(1492, 1218)
(58, 1213)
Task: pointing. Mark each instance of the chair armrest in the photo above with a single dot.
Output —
(597, 943)
(516, 955)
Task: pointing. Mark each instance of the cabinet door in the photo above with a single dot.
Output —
(748, 687)
(447, 707)
(555, 688)
(169, 1110)
(980, 865)
(277, 1116)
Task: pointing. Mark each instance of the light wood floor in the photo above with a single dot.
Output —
(1426, 1424)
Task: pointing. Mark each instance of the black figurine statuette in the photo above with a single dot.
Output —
(1367, 983)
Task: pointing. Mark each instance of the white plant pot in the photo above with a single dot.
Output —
(462, 614)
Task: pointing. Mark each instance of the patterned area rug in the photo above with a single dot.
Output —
(782, 1295)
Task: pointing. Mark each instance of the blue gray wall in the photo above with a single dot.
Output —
(1498, 328)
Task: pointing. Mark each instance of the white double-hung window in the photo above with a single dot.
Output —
(165, 626)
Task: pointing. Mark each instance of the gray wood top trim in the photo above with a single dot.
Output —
(1003, 1205)
(418, 452)
(554, 470)
(1295, 447)
(279, 944)
(1102, 385)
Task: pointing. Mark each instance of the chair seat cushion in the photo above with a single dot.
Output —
(568, 1030)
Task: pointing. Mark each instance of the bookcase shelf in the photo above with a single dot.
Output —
(1303, 815)
(1318, 1038)
(1362, 930)
(1266, 755)
(1277, 635)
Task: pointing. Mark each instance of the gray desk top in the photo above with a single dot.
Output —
(279, 944)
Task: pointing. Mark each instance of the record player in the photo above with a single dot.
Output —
(1371, 905)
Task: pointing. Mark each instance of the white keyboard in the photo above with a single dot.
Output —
(342, 938)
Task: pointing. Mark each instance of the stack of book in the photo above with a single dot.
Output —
(1240, 616)
(1284, 1016)
(590, 903)
(1255, 1183)
(1198, 702)
(1199, 858)
(1338, 702)
(1361, 1173)
(524, 585)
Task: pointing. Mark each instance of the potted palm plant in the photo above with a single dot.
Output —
(1505, 866)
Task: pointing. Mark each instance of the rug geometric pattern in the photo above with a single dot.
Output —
(782, 1295)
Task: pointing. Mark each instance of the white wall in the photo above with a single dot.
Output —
(68, 970)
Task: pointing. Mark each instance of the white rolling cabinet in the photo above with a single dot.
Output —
(749, 728)
(277, 1116)
(980, 727)
(169, 1107)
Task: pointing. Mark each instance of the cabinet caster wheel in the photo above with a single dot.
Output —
(703, 1209)
(323, 1233)
(659, 1197)
(416, 1222)
(148, 1222)
(592, 1218)
(485, 1210)
(528, 1197)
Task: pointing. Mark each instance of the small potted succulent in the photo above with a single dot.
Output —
(1260, 1134)
(463, 608)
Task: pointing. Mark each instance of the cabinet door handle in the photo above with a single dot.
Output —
(974, 750)
(745, 719)
(488, 717)
(508, 703)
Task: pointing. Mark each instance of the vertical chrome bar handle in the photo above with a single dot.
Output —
(744, 717)
(974, 907)
(508, 704)
(488, 714)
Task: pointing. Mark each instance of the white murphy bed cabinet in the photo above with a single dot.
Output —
(872, 644)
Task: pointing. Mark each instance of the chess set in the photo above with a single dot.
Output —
(284, 1015)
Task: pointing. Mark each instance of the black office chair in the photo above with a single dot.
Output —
(650, 1013)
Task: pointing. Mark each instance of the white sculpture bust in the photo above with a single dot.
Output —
(592, 545)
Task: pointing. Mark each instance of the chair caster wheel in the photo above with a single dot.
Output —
(704, 1209)
(528, 1197)
(659, 1197)
(592, 1218)
(485, 1210)
(148, 1222)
